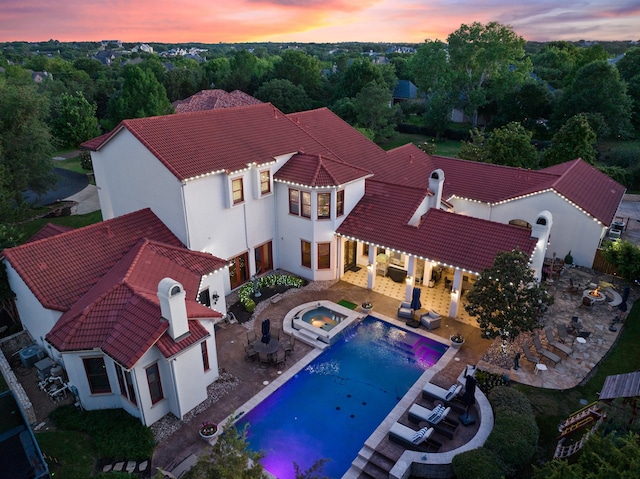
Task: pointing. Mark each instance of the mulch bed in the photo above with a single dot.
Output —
(242, 315)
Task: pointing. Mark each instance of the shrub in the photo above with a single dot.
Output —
(509, 401)
(514, 439)
(487, 381)
(117, 434)
(249, 304)
(476, 463)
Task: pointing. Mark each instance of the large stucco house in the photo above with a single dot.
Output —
(242, 191)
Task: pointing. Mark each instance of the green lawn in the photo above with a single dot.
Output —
(443, 147)
(71, 455)
(72, 164)
(76, 221)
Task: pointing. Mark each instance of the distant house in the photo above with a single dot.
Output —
(212, 99)
(39, 77)
(406, 91)
(105, 56)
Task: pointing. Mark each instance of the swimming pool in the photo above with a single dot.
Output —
(332, 406)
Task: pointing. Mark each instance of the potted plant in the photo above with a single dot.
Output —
(208, 430)
(366, 307)
(457, 340)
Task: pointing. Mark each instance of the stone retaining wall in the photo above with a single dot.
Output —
(8, 347)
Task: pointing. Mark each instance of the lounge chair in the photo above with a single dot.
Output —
(545, 352)
(433, 392)
(412, 439)
(436, 417)
(532, 358)
(563, 333)
(548, 330)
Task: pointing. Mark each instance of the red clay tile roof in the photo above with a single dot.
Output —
(589, 188)
(227, 139)
(317, 170)
(211, 99)
(59, 270)
(382, 216)
(48, 230)
(121, 314)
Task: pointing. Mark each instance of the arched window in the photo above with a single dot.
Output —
(521, 223)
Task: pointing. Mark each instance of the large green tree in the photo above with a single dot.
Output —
(361, 73)
(301, 70)
(629, 68)
(25, 142)
(510, 145)
(487, 61)
(285, 95)
(576, 139)
(625, 257)
(597, 88)
(74, 120)
(373, 111)
(141, 95)
(506, 300)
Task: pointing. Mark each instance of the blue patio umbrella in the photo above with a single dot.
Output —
(415, 299)
(266, 331)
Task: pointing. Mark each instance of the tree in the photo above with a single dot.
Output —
(531, 104)
(506, 298)
(360, 74)
(597, 88)
(625, 257)
(373, 111)
(576, 139)
(285, 95)
(510, 145)
(486, 61)
(141, 95)
(300, 69)
(25, 142)
(229, 458)
(437, 112)
(475, 149)
(74, 120)
(629, 68)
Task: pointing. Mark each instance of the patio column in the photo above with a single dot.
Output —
(456, 292)
(408, 288)
(428, 270)
(371, 268)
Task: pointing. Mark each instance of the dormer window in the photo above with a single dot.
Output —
(237, 189)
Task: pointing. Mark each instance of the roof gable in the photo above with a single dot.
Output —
(318, 171)
(60, 269)
(211, 99)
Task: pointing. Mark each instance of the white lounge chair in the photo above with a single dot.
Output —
(432, 391)
(410, 438)
(437, 417)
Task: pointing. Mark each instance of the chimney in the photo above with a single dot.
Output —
(436, 182)
(173, 307)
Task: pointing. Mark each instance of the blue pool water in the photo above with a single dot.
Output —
(333, 405)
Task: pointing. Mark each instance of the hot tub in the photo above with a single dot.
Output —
(321, 320)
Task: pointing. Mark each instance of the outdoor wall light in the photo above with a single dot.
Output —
(215, 297)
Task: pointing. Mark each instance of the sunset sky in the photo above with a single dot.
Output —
(213, 21)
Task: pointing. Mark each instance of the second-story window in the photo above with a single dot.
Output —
(305, 197)
(294, 202)
(324, 205)
(238, 191)
(340, 203)
(265, 182)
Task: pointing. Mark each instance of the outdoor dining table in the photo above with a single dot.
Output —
(271, 347)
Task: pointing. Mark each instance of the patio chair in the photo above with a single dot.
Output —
(250, 352)
(264, 358)
(431, 320)
(288, 343)
(563, 333)
(405, 311)
(412, 439)
(251, 336)
(280, 357)
(532, 358)
(548, 330)
(545, 352)
(275, 332)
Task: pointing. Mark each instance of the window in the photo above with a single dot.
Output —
(238, 191)
(126, 385)
(324, 205)
(294, 202)
(265, 182)
(239, 270)
(306, 253)
(264, 258)
(205, 355)
(306, 204)
(365, 249)
(340, 203)
(324, 255)
(155, 385)
(97, 375)
(204, 298)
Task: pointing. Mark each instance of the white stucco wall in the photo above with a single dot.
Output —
(129, 178)
(37, 320)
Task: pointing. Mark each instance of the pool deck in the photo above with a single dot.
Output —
(256, 381)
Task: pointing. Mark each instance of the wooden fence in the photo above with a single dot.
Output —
(602, 265)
